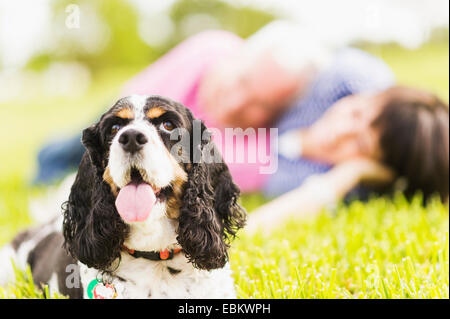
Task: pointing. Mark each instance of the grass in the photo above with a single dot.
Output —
(24, 288)
(380, 249)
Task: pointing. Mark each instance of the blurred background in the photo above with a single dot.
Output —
(68, 59)
(62, 63)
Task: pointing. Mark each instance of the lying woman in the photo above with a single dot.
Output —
(396, 138)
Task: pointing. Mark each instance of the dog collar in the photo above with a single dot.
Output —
(165, 254)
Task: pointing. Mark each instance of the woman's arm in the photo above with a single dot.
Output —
(317, 192)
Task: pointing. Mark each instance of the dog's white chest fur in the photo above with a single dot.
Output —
(139, 278)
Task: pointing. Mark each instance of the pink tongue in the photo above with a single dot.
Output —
(135, 202)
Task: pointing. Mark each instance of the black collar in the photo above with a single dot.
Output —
(153, 255)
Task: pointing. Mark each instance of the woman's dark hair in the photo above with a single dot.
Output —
(414, 138)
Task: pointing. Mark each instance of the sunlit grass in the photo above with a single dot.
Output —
(380, 249)
(24, 288)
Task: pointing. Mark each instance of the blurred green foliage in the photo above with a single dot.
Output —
(241, 21)
(124, 46)
(385, 248)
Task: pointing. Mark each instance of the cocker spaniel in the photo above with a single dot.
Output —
(150, 215)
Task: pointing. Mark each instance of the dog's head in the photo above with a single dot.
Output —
(142, 184)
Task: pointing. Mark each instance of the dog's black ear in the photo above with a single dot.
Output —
(209, 216)
(91, 139)
(92, 228)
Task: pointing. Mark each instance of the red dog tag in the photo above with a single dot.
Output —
(164, 254)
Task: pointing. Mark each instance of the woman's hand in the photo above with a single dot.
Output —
(364, 170)
(345, 176)
(318, 191)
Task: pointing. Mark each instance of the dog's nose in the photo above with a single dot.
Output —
(132, 141)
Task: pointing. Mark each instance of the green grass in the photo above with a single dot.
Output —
(426, 68)
(381, 249)
(24, 288)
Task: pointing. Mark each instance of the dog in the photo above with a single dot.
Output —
(148, 216)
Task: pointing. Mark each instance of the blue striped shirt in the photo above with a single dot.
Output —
(352, 71)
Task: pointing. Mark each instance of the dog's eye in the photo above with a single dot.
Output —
(115, 128)
(167, 126)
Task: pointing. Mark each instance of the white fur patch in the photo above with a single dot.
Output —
(156, 233)
(138, 102)
(152, 279)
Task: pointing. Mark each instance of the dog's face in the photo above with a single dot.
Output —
(132, 189)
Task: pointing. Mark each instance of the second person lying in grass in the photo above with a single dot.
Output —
(393, 140)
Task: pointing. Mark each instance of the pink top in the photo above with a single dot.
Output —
(177, 75)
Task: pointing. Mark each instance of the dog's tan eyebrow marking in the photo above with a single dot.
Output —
(125, 113)
(155, 112)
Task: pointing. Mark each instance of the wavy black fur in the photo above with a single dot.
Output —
(93, 229)
(210, 215)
